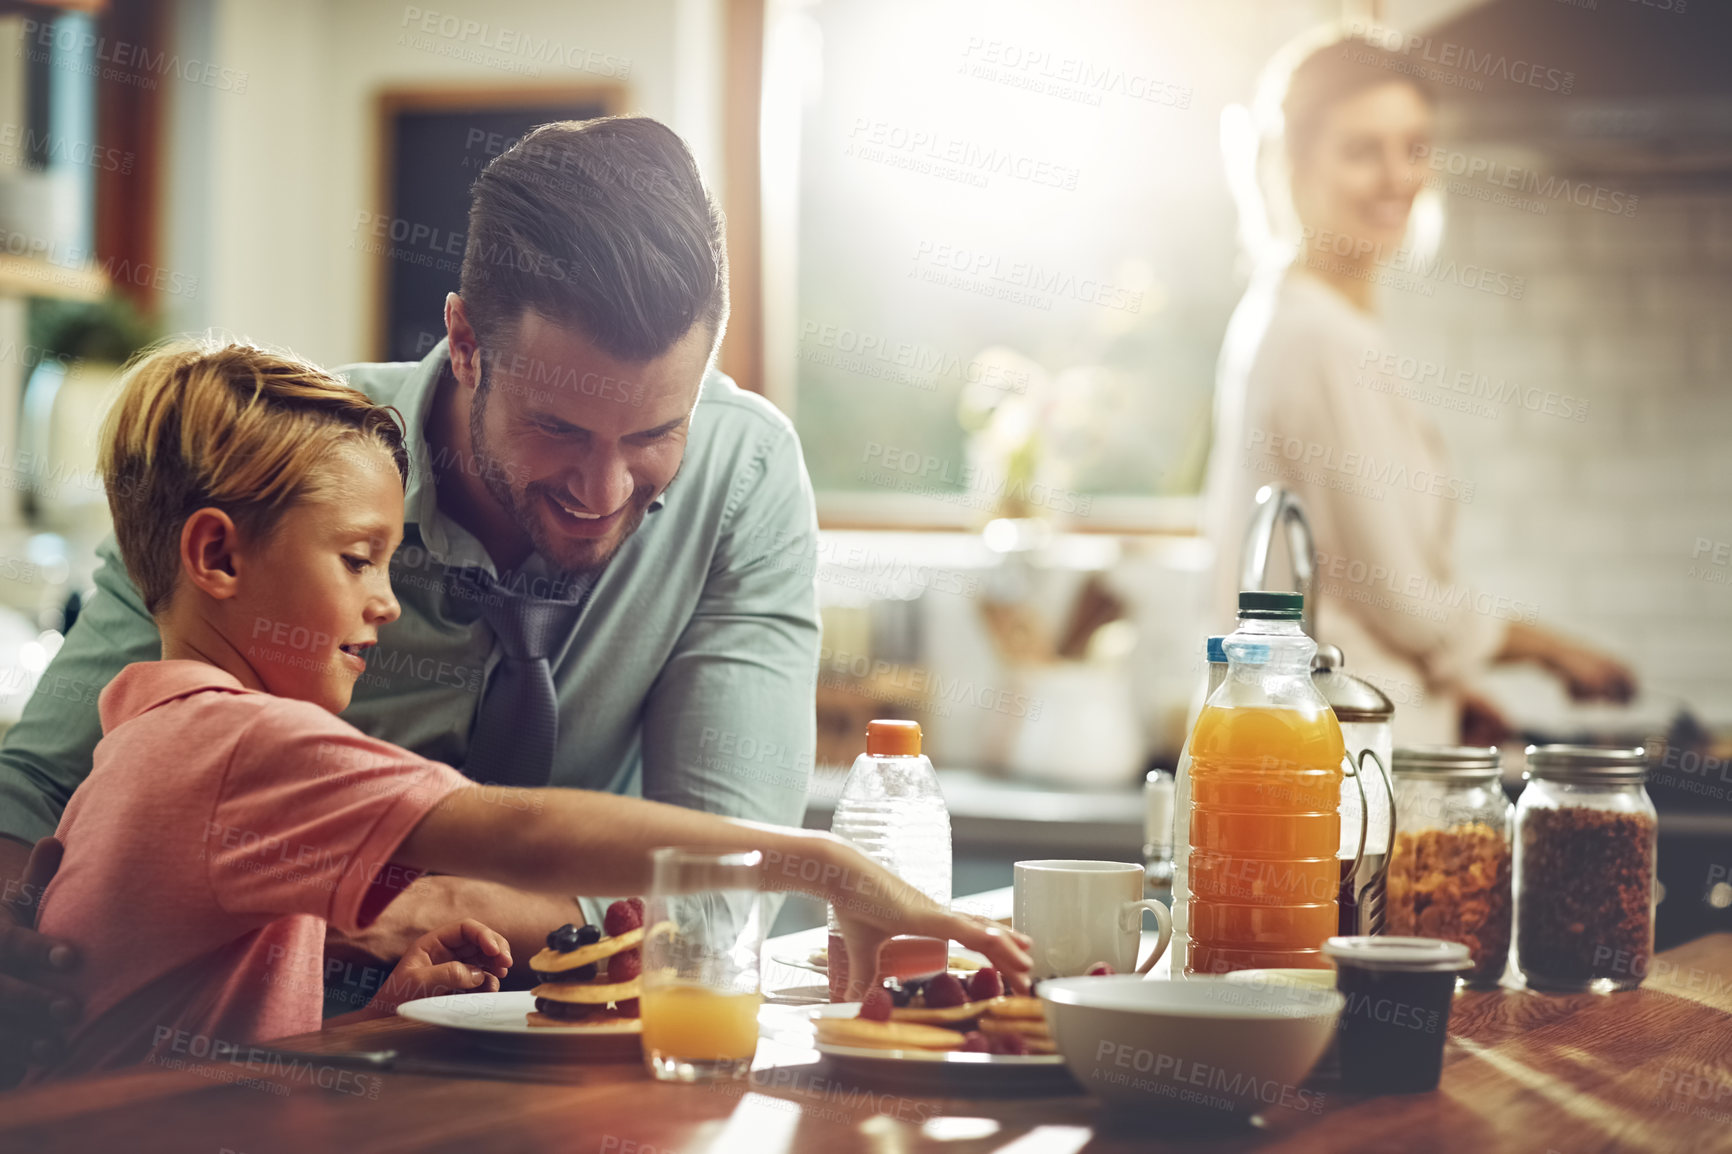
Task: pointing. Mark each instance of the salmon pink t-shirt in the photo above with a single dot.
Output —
(220, 829)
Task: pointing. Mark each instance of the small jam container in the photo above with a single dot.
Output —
(1398, 993)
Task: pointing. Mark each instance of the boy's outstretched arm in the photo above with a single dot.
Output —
(579, 842)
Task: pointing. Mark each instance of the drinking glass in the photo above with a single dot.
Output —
(701, 963)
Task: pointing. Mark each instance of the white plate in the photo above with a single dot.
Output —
(501, 1019)
(941, 1069)
(960, 961)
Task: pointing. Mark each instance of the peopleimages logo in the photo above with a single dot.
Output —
(1530, 181)
(1464, 59)
(1479, 278)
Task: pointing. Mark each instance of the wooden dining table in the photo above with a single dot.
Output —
(1643, 1070)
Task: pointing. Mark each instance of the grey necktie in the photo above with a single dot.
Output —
(518, 723)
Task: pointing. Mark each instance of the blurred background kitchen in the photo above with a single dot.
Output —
(984, 254)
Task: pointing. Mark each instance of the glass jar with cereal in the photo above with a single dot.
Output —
(1450, 867)
(1586, 835)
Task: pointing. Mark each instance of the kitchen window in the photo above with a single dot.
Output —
(997, 275)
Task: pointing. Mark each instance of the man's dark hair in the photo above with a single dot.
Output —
(600, 224)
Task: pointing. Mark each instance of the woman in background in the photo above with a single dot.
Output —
(1341, 133)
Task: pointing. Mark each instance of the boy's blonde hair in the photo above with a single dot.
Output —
(202, 424)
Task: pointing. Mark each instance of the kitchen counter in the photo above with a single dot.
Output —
(1037, 820)
(1525, 1072)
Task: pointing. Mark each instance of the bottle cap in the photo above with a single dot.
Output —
(893, 738)
(1271, 606)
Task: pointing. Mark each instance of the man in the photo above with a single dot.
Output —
(572, 613)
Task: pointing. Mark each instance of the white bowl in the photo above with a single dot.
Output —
(1199, 1046)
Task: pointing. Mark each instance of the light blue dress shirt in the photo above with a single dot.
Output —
(689, 677)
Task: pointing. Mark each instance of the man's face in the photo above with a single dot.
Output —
(575, 443)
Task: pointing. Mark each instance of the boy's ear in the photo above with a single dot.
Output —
(209, 542)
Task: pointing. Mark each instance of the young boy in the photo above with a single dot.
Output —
(230, 814)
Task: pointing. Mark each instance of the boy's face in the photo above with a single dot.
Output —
(311, 598)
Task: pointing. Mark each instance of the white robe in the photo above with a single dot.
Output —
(1303, 402)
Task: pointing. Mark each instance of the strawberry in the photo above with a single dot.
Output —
(975, 1042)
(1009, 1044)
(945, 990)
(985, 984)
(623, 915)
(627, 1008)
(1100, 970)
(876, 1007)
(624, 966)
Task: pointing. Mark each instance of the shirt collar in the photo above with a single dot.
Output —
(144, 685)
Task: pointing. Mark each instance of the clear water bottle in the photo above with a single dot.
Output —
(893, 811)
(1216, 655)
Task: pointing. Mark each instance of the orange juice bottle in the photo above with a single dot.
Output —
(1264, 821)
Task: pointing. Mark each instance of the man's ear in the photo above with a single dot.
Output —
(464, 349)
(209, 547)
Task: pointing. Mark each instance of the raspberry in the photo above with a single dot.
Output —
(624, 966)
(1100, 970)
(627, 1008)
(945, 990)
(623, 915)
(975, 1042)
(1009, 1044)
(985, 984)
(876, 1007)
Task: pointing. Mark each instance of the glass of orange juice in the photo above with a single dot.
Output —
(701, 963)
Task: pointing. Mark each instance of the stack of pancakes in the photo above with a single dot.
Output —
(918, 1028)
(591, 1001)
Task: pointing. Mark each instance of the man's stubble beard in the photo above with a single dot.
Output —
(526, 507)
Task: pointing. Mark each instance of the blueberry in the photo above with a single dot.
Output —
(565, 939)
(589, 935)
(900, 995)
(581, 974)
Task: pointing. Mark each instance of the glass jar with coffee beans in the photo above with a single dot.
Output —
(1449, 869)
(1586, 835)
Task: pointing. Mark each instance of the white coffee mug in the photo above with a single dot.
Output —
(1083, 912)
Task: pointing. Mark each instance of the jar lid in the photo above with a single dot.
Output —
(1588, 763)
(1352, 698)
(1464, 762)
(1399, 955)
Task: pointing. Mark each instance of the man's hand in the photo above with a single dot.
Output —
(34, 1017)
(432, 901)
(463, 957)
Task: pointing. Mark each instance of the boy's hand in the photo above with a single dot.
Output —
(874, 905)
(462, 957)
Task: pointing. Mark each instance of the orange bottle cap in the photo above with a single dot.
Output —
(893, 738)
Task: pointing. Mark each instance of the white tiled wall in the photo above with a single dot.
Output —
(1596, 521)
